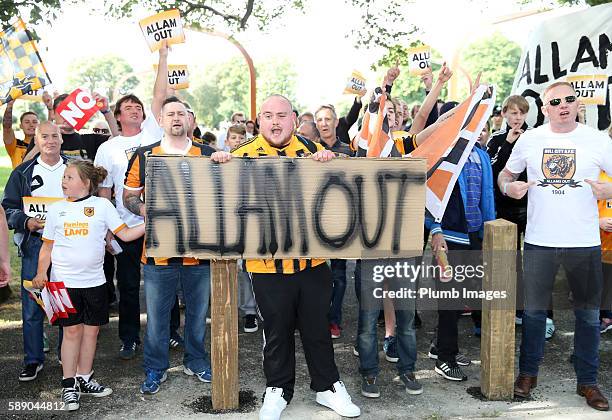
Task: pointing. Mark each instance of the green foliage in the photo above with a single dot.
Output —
(576, 2)
(226, 14)
(497, 58)
(383, 23)
(221, 14)
(32, 11)
(109, 73)
(217, 91)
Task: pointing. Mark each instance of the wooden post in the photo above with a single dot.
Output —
(224, 335)
(497, 340)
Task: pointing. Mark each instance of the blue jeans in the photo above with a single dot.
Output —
(160, 283)
(31, 313)
(338, 268)
(584, 275)
(367, 340)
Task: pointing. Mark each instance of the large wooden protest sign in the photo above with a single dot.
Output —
(284, 207)
(577, 44)
(163, 26)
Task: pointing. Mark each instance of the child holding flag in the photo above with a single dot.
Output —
(74, 227)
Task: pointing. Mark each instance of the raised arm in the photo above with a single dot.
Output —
(108, 115)
(8, 135)
(161, 81)
(430, 101)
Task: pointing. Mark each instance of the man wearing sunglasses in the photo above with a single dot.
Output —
(101, 127)
(560, 157)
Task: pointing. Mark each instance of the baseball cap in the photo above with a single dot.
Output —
(497, 110)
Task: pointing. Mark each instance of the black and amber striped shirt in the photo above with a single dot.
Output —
(17, 150)
(297, 147)
(135, 181)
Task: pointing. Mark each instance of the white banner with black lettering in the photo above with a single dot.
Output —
(576, 47)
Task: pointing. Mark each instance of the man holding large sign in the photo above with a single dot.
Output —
(292, 293)
(161, 275)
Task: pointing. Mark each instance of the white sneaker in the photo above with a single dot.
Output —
(550, 329)
(273, 404)
(338, 400)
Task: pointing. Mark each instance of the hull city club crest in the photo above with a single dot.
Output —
(89, 211)
(559, 167)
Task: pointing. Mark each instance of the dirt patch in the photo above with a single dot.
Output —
(247, 402)
(476, 393)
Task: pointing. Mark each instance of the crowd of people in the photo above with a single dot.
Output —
(547, 180)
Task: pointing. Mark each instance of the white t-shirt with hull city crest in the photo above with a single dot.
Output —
(77, 230)
(562, 210)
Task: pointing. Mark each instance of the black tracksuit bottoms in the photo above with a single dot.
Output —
(287, 302)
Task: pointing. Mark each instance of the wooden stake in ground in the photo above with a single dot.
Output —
(497, 340)
(224, 334)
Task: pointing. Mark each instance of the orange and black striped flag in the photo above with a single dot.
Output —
(449, 146)
(375, 138)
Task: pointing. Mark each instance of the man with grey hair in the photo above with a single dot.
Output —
(294, 293)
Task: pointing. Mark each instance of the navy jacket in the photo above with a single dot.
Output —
(17, 187)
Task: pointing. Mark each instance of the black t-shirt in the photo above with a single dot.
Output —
(77, 145)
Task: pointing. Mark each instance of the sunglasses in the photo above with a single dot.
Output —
(100, 131)
(557, 101)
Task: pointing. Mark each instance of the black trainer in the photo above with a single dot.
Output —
(128, 351)
(450, 371)
(93, 388)
(70, 394)
(30, 372)
(461, 359)
(250, 324)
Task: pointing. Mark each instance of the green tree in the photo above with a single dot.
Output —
(386, 23)
(227, 14)
(218, 91)
(109, 72)
(496, 57)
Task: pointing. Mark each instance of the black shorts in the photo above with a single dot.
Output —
(91, 304)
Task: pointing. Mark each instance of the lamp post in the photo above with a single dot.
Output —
(248, 59)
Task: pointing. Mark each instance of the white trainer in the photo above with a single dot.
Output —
(550, 329)
(273, 404)
(338, 400)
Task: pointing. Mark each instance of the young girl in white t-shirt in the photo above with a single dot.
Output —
(74, 240)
